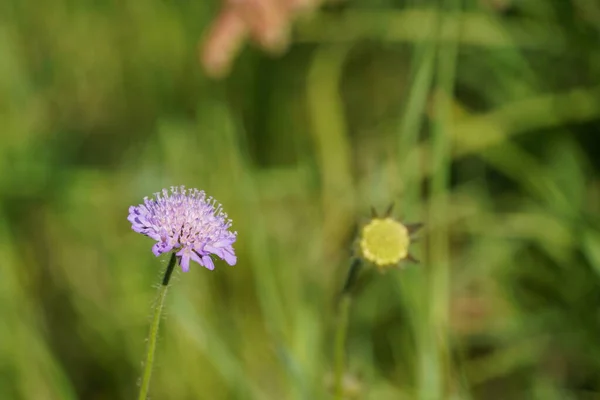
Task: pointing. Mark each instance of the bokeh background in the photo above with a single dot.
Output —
(479, 118)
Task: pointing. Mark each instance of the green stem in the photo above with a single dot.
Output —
(340, 345)
(154, 329)
(342, 328)
(352, 275)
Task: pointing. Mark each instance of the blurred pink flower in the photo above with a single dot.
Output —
(266, 22)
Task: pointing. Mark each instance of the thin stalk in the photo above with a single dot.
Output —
(340, 345)
(341, 332)
(162, 293)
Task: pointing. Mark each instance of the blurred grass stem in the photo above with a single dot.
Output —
(439, 243)
(144, 387)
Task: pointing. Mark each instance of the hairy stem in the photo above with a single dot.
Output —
(162, 293)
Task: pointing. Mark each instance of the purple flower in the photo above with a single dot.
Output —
(186, 221)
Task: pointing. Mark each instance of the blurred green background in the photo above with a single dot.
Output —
(479, 118)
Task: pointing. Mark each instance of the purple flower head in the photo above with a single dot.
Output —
(186, 221)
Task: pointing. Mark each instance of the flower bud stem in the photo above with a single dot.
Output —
(342, 329)
(162, 293)
(352, 275)
(340, 345)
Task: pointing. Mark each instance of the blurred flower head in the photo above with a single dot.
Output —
(188, 222)
(267, 23)
(384, 241)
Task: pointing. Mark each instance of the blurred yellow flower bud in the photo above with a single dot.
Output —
(384, 241)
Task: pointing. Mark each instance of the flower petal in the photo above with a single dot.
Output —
(161, 247)
(208, 262)
(224, 242)
(229, 256)
(214, 250)
(157, 249)
(185, 262)
(195, 257)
